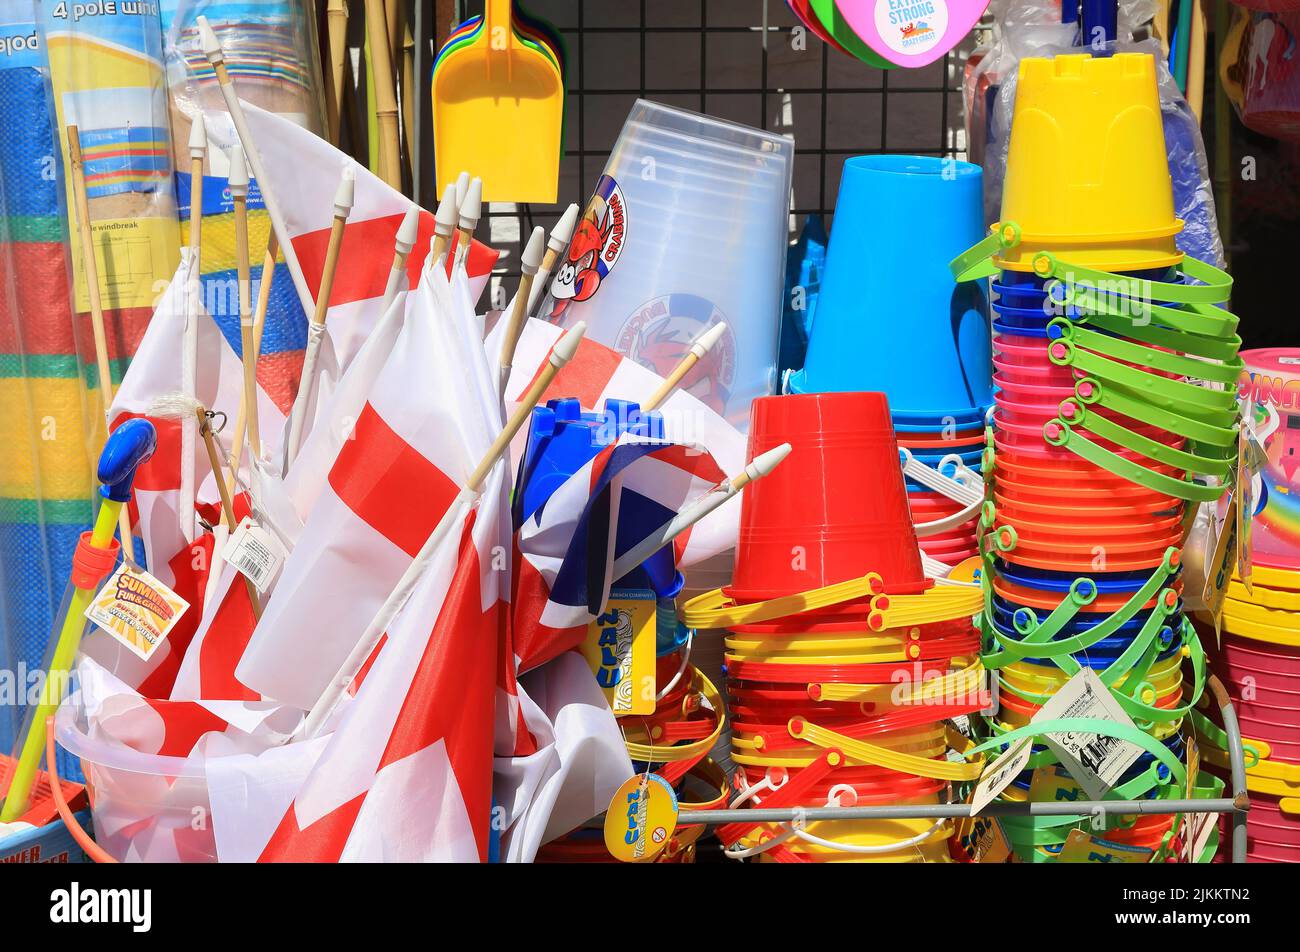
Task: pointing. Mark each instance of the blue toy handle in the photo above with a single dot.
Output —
(127, 447)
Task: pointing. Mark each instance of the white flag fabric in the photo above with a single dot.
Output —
(409, 452)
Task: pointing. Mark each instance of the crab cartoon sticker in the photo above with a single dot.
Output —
(659, 334)
(596, 247)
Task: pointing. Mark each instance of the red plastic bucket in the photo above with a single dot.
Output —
(835, 510)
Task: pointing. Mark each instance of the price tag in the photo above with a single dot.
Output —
(1219, 558)
(136, 609)
(1197, 827)
(998, 775)
(983, 840)
(1083, 847)
(641, 819)
(1096, 761)
(620, 649)
(1196, 834)
(1245, 493)
(256, 553)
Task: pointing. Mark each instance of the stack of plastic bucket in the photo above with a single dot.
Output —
(675, 740)
(832, 700)
(891, 318)
(1258, 659)
(1094, 398)
(687, 228)
(1258, 650)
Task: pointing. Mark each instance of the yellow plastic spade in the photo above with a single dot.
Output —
(498, 111)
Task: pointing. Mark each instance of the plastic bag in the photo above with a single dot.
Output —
(46, 417)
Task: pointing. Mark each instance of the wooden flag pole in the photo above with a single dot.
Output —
(444, 224)
(699, 347)
(407, 233)
(238, 184)
(528, 265)
(259, 324)
(217, 58)
(757, 468)
(561, 235)
(193, 312)
(317, 717)
(297, 415)
(471, 210)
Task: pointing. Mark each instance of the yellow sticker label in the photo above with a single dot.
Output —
(136, 609)
(620, 648)
(641, 819)
(1082, 847)
(131, 257)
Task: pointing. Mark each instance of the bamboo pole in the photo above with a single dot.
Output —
(336, 19)
(408, 97)
(91, 270)
(381, 60)
(1196, 61)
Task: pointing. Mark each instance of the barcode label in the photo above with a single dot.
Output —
(255, 553)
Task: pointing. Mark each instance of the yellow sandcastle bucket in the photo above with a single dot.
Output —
(1087, 174)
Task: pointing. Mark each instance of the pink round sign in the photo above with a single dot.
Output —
(911, 32)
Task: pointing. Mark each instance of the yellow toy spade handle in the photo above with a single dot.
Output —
(499, 28)
(127, 447)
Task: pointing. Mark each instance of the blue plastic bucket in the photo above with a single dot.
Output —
(890, 316)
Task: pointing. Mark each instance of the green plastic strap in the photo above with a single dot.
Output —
(1212, 348)
(1107, 429)
(1131, 789)
(1127, 350)
(1127, 469)
(1146, 637)
(1113, 397)
(1039, 632)
(1092, 725)
(977, 261)
(1149, 712)
(1160, 390)
(1036, 643)
(1205, 320)
(1217, 286)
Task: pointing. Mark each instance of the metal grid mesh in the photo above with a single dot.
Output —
(749, 61)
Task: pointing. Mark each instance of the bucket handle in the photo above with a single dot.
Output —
(92, 849)
(932, 479)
